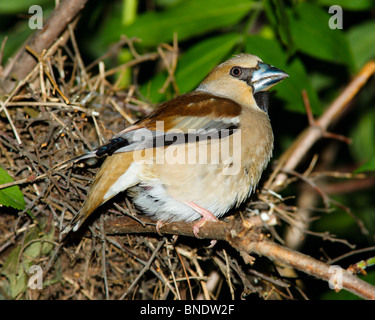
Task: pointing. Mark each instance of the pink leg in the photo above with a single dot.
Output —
(206, 216)
(159, 224)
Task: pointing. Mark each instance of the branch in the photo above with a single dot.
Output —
(124, 225)
(246, 237)
(298, 150)
(310, 266)
(22, 63)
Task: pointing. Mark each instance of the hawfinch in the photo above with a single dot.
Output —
(197, 155)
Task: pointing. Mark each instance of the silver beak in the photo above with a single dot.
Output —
(266, 76)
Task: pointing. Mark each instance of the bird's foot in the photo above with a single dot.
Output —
(206, 216)
(159, 224)
(200, 224)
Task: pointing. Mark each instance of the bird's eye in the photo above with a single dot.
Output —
(235, 71)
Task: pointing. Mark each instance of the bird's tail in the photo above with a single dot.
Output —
(88, 208)
(91, 203)
(75, 223)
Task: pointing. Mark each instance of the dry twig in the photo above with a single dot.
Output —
(23, 63)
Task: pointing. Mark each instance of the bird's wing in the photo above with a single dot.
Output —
(196, 115)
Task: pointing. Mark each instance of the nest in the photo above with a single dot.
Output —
(62, 109)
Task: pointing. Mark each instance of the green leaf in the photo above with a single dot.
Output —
(187, 19)
(129, 11)
(16, 265)
(21, 6)
(193, 65)
(349, 4)
(276, 12)
(13, 270)
(312, 35)
(15, 38)
(291, 88)
(361, 41)
(167, 3)
(363, 137)
(12, 196)
(368, 166)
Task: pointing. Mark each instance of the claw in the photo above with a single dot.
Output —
(159, 224)
(212, 244)
(206, 216)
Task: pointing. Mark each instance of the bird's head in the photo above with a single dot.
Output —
(241, 78)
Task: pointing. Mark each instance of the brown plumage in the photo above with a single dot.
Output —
(197, 155)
